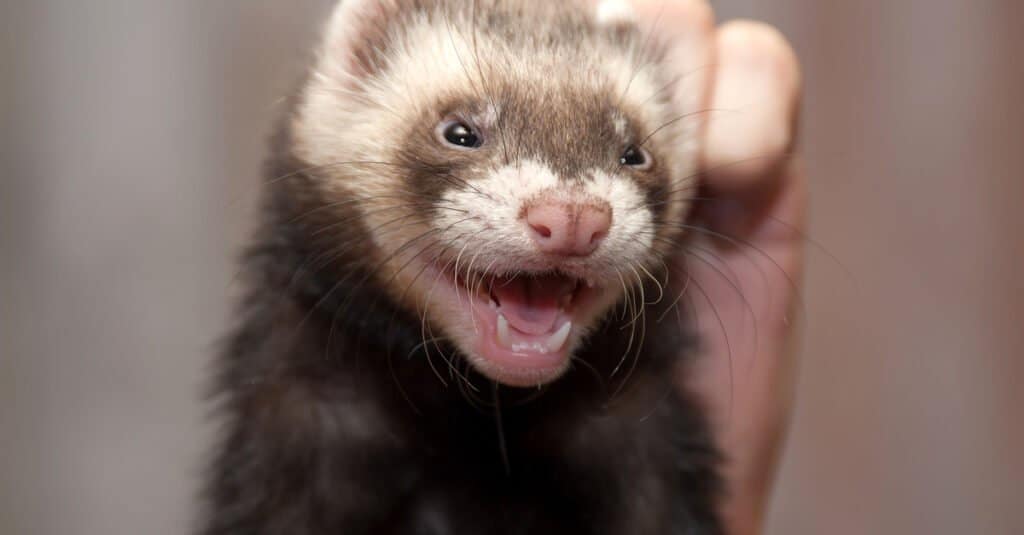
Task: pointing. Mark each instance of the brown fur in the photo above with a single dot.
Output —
(339, 416)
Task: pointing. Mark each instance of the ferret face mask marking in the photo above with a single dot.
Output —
(520, 187)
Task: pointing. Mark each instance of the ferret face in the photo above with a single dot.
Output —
(519, 166)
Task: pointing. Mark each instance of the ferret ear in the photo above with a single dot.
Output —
(356, 37)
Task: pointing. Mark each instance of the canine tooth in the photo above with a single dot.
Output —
(504, 337)
(558, 339)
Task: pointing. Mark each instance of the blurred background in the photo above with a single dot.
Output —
(130, 144)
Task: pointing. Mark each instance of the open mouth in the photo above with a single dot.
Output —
(525, 326)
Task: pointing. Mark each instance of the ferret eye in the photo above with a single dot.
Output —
(460, 134)
(635, 156)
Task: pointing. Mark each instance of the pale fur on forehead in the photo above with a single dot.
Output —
(338, 120)
(613, 12)
(433, 54)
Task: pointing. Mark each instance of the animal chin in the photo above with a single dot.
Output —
(525, 326)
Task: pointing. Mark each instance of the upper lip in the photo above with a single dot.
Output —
(483, 285)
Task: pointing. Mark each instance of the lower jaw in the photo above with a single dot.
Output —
(524, 360)
(518, 368)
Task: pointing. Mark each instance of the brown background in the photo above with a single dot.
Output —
(130, 143)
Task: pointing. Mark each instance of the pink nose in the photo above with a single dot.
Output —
(568, 229)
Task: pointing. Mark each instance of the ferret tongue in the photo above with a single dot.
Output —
(531, 305)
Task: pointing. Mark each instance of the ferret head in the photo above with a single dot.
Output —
(519, 166)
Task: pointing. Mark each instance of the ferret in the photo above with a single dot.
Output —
(458, 313)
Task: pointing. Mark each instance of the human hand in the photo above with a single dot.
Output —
(746, 266)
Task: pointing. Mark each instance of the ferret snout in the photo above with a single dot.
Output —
(568, 228)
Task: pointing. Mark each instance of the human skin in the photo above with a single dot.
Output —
(746, 272)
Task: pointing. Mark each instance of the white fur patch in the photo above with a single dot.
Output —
(615, 12)
(498, 235)
(632, 223)
(496, 203)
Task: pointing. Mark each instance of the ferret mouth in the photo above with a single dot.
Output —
(525, 326)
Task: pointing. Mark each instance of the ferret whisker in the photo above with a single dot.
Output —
(636, 357)
(678, 118)
(341, 249)
(398, 384)
(465, 70)
(676, 79)
(366, 200)
(795, 231)
(725, 337)
(469, 392)
(327, 228)
(433, 261)
(686, 180)
(342, 310)
(395, 275)
(639, 285)
(483, 279)
(666, 270)
(361, 216)
(675, 302)
(729, 271)
(479, 286)
(423, 269)
(344, 279)
(430, 361)
(421, 345)
(626, 296)
(313, 168)
(424, 325)
(657, 93)
(366, 101)
(671, 197)
(640, 65)
(739, 292)
(731, 279)
(488, 89)
(446, 175)
(456, 273)
(500, 428)
(632, 304)
(427, 334)
(631, 325)
(737, 242)
(470, 295)
(598, 378)
(657, 284)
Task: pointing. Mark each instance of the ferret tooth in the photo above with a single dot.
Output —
(493, 305)
(504, 337)
(557, 340)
